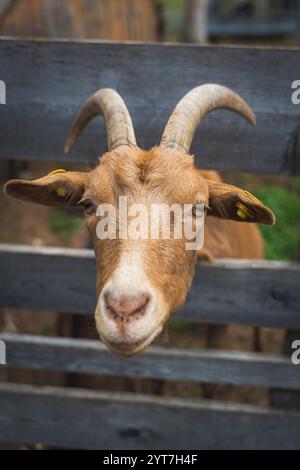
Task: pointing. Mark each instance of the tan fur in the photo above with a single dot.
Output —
(229, 239)
(160, 175)
(148, 177)
(152, 276)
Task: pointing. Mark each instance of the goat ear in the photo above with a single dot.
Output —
(229, 202)
(59, 188)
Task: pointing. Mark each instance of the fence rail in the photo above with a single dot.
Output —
(254, 292)
(88, 419)
(48, 81)
(253, 28)
(205, 365)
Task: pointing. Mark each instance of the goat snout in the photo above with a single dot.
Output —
(126, 307)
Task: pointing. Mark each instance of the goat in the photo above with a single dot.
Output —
(142, 282)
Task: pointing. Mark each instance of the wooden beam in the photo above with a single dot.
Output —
(253, 28)
(48, 81)
(204, 365)
(109, 420)
(250, 292)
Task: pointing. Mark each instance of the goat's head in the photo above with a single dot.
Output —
(141, 282)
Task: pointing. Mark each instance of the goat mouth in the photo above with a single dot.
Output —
(131, 348)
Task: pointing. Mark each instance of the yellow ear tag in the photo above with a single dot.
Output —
(253, 197)
(243, 212)
(59, 170)
(61, 192)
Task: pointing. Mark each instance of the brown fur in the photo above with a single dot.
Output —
(159, 175)
(228, 239)
(148, 177)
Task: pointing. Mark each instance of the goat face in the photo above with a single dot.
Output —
(141, 282)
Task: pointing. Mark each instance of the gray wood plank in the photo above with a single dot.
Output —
(253, 28)
(48, 81)
(283, 397)
(203, 365)
(91, 419)
(229, 291)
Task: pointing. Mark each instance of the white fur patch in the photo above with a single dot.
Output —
(128, 278)
(130, 273)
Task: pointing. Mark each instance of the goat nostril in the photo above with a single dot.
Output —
(123, 306)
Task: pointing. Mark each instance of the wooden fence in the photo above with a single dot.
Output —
(254, 19)
(47, 81)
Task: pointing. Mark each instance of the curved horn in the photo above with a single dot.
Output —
(109, 104)
(192, 109)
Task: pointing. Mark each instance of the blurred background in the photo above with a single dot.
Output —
(234, 22)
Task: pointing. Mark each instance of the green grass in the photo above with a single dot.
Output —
(173, 11)
(180, 325)
(65, 223)
(47, 330)
(281, 239)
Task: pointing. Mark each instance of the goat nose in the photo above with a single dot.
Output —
(126, 305)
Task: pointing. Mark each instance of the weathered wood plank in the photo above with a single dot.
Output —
(89, 419)
(283, 397)
(263, 293)
(48, 81)
(229, 291)
(253, 28)
(204, 365)
(43, 279)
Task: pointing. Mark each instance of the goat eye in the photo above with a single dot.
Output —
(88, 206)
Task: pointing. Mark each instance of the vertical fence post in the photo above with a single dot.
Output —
(2, 92)
(195, 28)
